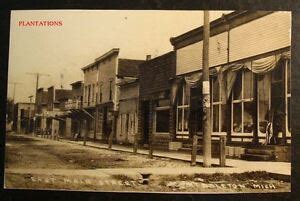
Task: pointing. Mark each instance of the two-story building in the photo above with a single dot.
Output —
(101, 93)
(250, 68)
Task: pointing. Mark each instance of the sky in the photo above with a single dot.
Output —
(84, 36)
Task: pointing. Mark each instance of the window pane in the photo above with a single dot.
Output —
(277, 72)
(277, 90)
(288, 76)
(248, 118)
(237, 88)
(186, 119)
(164, 102)
(289, 114)
(264, 84)
(179, 119)
(248, 84)
(237, 117)
(216, 90)
(223, 118)
(216, 118)
(162, 121)
(180, 95)
(186, 95)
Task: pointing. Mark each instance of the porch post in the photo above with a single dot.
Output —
(255, 114)
(285, 119)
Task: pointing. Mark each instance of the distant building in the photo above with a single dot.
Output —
(24, 117)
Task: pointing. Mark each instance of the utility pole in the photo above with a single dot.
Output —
(14, 92)
(36, 89)
(206, 93)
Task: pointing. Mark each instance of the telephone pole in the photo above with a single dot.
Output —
(37, 79)
(14, 90)
(206, 93)
(36, 89)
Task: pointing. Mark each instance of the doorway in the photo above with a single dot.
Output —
(145, 128)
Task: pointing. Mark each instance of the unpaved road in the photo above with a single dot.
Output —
(41, 156)
(23, 152)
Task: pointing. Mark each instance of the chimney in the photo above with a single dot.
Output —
(148, 57)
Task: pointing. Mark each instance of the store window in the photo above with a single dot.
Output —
(264, 100)
(242, 103)
(182, 113)
(162, 116)
(218, 109)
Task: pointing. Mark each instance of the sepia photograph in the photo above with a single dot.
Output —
(156, 101)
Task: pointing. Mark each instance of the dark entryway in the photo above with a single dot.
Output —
(145, 123)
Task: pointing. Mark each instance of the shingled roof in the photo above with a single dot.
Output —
(129, 67)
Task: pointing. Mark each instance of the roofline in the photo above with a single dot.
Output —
(77, 82)
(107, 54)
(224, 20)
(102, 57)
(88, 66)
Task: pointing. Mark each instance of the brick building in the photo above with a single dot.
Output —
(249, 59)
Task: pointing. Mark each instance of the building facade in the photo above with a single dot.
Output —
(250, 68)
(156, 114)
(24, 117)
(101, 92)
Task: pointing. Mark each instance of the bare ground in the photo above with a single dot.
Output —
(30, 153)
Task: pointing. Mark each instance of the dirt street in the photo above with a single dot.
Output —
(46, 164)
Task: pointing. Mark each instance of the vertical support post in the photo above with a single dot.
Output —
(284, 122)
(222, 151)
(135, 143)
(194, 150)
(255, 114)
(150, 129)
(206, 94)
(84, 131)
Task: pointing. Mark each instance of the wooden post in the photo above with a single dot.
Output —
(222, 151)
(206, 93)
(110, 139)
(84, 132)
(194, 150)
(150, 129)
(135, 143)
(255, 114)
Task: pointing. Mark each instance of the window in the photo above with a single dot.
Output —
(89, 94)
(242, 103)
(182, 113)
(162, 116)
(110, 90)
(264, 100)
(218, 109)
(100, 93)
(92, 90)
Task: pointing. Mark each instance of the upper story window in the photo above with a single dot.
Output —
(110, 89)
(100, 92)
